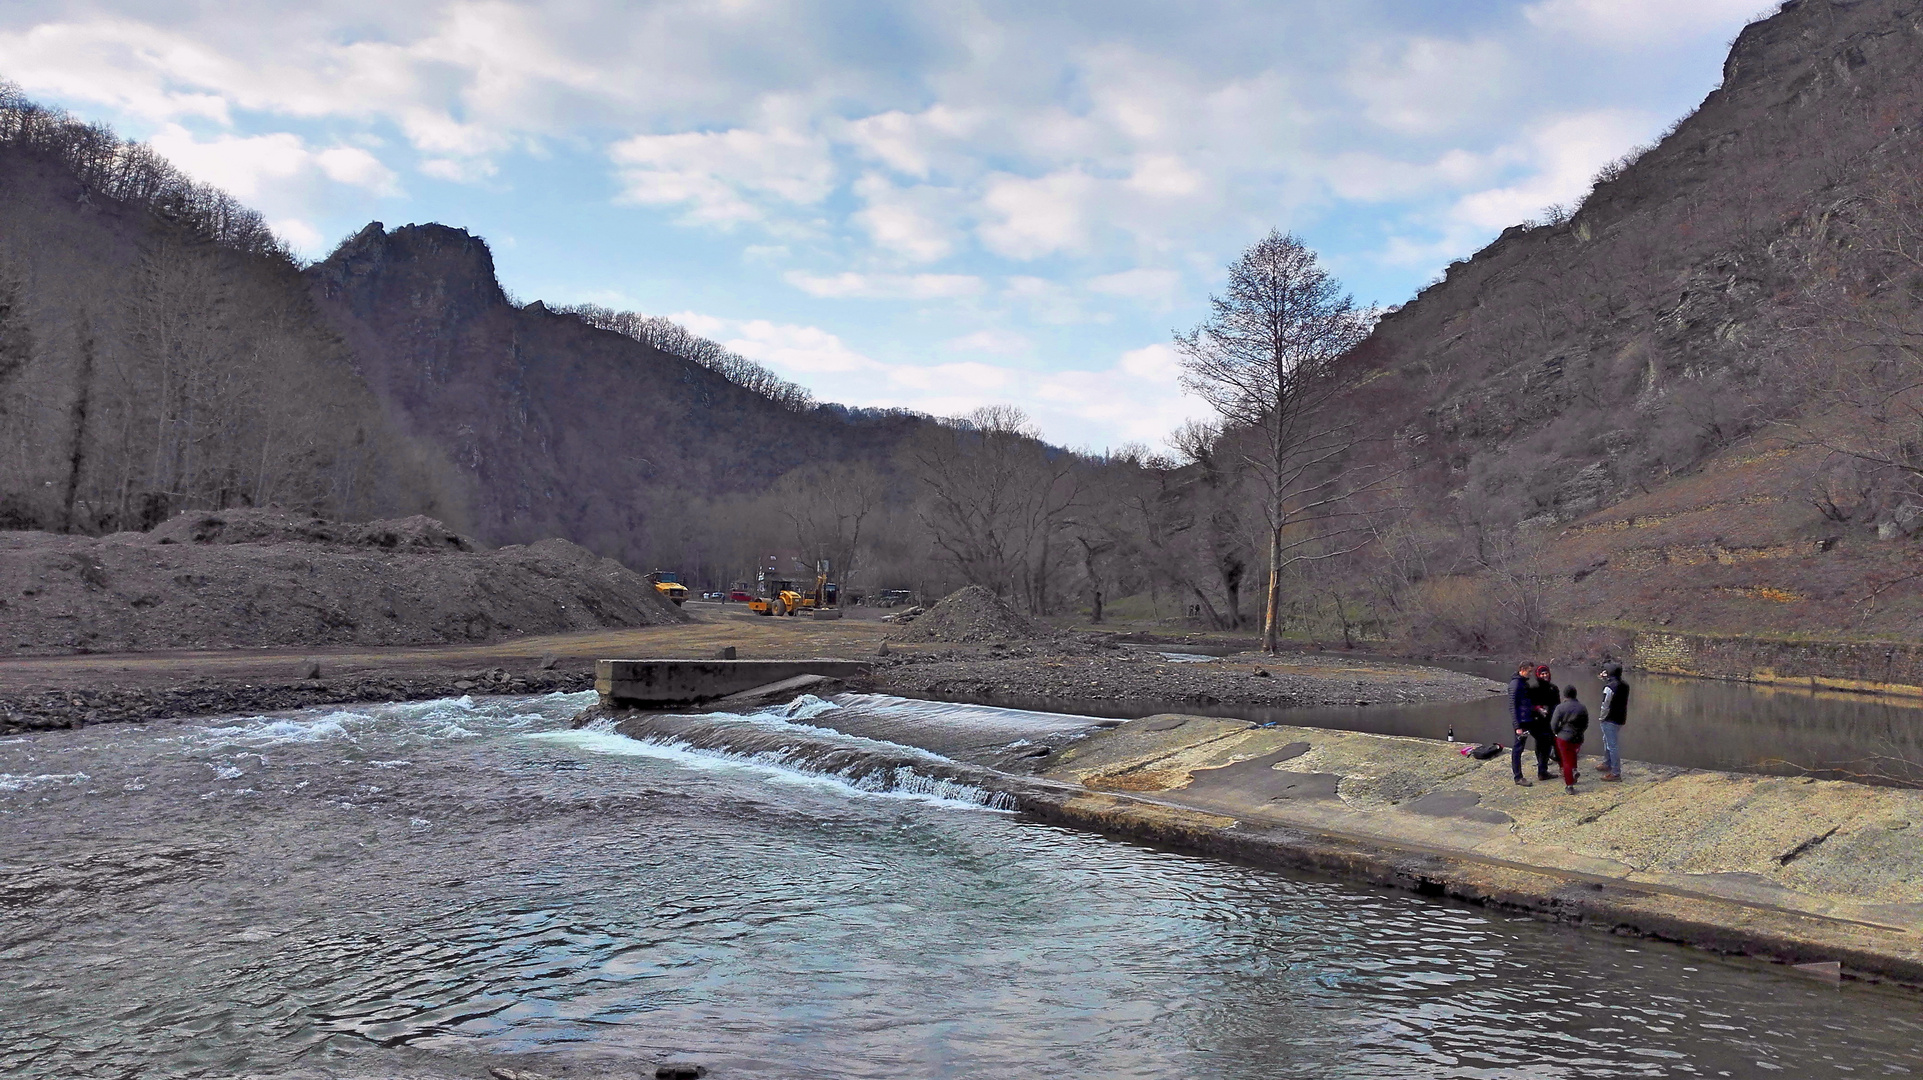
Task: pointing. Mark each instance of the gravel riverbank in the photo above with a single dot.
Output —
(1251, 679)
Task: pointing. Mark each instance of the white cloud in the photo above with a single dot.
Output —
(1030, 218)
(1005, 342)
(1049, 302)
(459, 170)
(1136, 398)
(853, 286)
(1165, 175)
(1565, 156)
(279, 174)
(1424, 85)
(720, 176)
(910, 143)
(1629, 22)
(793, 350)
(298, 234)
(915, 223)
(1157, 287)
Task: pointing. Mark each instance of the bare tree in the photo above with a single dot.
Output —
(826, 507)
(998, 501)
(1270, 360)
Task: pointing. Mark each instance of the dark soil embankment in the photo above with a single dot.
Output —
(970, 615)
(261, 578)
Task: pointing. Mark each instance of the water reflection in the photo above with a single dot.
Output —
(1694, 723)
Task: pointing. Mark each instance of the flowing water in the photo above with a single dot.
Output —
(430, 889)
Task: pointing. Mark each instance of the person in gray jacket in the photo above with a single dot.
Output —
(1611, 715)
(1569, 722)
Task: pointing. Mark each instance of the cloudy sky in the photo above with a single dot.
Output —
(936, 205)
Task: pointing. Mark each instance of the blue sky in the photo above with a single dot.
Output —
(939, 206)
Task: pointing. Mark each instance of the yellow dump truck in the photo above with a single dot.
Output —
(669, 585)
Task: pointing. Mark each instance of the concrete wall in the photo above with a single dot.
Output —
(659, 684)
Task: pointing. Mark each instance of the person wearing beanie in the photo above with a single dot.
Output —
(1529, 722)
(1568, 723)
(1611, 715)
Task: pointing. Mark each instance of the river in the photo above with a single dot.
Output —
(429, 889)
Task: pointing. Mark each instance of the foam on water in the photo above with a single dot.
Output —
(963, 716)
(427, 721)
(787, 719)
(21, 782)
(901, 782)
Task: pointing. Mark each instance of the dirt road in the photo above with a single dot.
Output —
(71, 691)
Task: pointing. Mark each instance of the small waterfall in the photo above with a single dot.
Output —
(782, 739)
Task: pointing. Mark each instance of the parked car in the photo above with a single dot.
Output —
(740, 596)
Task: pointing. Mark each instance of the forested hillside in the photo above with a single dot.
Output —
(1688, 401)
(158, 352)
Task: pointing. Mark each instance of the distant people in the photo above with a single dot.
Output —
(1568, 723)
(1529, 722)
(1612, 713)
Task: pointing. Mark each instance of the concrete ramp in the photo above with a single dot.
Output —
(678, 684)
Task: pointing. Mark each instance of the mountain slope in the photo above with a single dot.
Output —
(1652, 386)
(563, 429)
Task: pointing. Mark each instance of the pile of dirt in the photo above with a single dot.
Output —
(970, 615)
(260, 578)
(271, 526)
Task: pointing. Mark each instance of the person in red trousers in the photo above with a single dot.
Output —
(1569, 723)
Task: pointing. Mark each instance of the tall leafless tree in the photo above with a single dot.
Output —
(1270, 360)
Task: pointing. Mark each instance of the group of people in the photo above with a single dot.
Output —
(1558, 721)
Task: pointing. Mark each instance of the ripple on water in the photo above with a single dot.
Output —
(569, 904)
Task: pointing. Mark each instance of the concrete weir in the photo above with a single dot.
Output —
(1801, 871)
(678, 684)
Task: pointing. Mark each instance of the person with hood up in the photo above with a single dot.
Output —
(1569, 722)
(1529, 723)
(1611, 715)
(1545, 697)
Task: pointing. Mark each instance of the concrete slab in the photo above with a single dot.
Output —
(668, 684)
(1719, 859)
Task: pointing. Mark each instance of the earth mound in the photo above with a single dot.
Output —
(248, 526)
(973, 614)
(265, 578)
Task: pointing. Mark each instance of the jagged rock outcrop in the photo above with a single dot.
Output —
(563, 429)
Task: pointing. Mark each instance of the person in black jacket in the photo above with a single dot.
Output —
(1532, 695)
(1569, 722)
(1522, 716)
(1611, 715)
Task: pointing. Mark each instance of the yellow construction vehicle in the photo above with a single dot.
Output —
(824, 594)
(777, 598)
(669, 586)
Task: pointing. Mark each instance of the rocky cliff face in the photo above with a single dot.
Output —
(563, 429)
(1635, 381)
